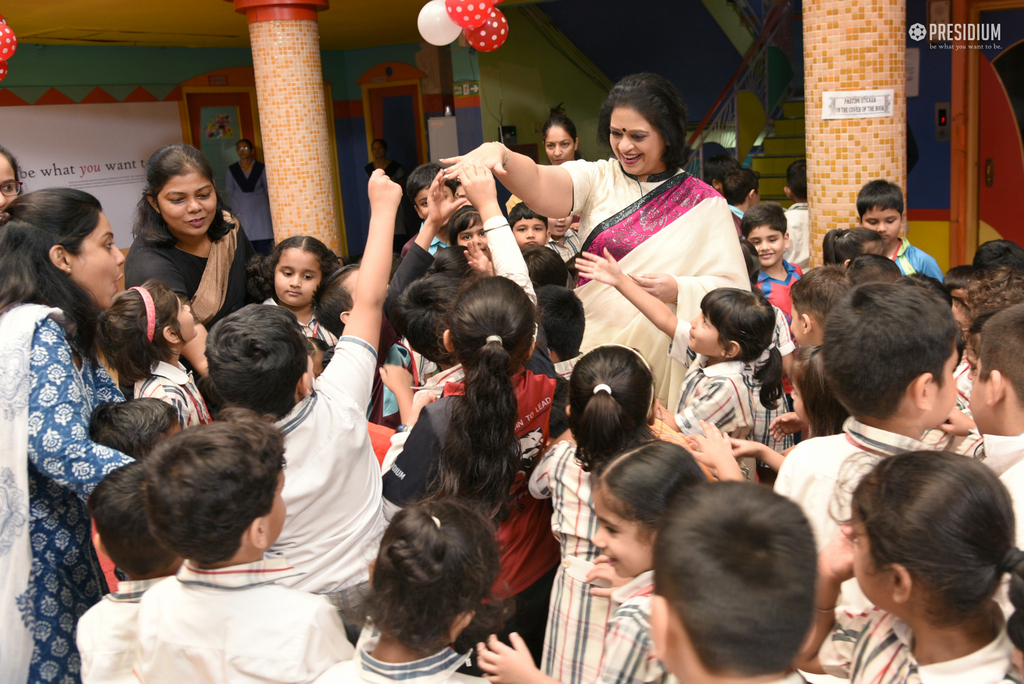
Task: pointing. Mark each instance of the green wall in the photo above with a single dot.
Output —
(524, 78)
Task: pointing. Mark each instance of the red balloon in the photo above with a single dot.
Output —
(2, 20)
(8, 42)
(3, 70)
(491, 35)
(469, 14)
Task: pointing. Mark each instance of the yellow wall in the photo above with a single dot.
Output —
(932, 237)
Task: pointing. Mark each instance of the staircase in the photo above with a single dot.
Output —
(782, 145)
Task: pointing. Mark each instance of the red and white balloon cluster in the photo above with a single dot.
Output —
(441, 21)
(8, 46)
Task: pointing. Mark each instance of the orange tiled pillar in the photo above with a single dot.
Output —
(850, 46)
(293, 116)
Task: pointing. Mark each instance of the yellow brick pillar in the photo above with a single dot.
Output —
(293, 116)
(852, 46)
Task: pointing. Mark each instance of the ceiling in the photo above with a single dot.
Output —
(348, 24)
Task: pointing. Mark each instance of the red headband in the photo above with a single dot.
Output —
(147, 299)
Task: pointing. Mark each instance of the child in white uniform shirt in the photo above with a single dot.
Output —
(108, 632)
(929, 540)
(734, 586)
(213, 496)
(258, 360)
(430, 598)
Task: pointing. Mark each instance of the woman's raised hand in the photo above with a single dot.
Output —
(603, 269)
(489, 155)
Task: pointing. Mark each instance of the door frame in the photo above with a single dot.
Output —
(421, 125)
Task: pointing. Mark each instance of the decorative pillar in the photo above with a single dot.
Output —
(293, 116)
(850, 46)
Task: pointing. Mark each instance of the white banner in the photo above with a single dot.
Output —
(99, 148)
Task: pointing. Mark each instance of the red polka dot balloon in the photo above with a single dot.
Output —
(8, 42)
(469, 14)
(3, 70)
(491, 35)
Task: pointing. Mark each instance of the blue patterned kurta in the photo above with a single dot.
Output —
(63, 468)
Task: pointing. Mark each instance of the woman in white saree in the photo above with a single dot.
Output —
(668, 228)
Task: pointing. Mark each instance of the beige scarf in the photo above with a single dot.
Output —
(213, 287)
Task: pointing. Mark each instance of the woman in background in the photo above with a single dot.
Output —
(246, 186)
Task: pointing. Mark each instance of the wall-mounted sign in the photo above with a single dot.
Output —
(857, 104)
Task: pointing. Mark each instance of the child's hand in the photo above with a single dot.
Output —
(665, 416)
(603, 570)
(504, 664)
(714, 450)
(420, 401)
(745, 448)
(397, 379)
(602, 269)
(835, 562)
(661, 285)
(786, 424)
(384, 193)
(958, 424)
(478, 259)
(478, 182)
(439, 207)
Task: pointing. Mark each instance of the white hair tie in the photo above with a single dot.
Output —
(436, 521)
(603, 388)
(495, 338)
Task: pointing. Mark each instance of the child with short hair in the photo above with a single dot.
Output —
(291, 276)
(430, 598)
(896, 380)
(842, 245)
(417, 189)
(813, 297)
(716, 167)
(142, 334)
(214, 497)
(996, 253)
(133, 427)
(880, 208)
(929, 568)
(872, 268)
(956, 281)
(465, 227)
(716, 619)
(630, 498)
(529, 227)
(545, 267)
(564, 323)
(740, 187)
(988, 293)
(764, 226)
(258, 360)
(799, 250)
(108, 634)
(563, 237)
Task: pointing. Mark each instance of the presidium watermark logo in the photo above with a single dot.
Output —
(958, 36)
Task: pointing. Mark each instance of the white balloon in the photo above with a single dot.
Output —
(435, 25)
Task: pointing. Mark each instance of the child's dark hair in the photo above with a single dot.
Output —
(564, 320)
(746, 318)
(825, 414)
(420, 179)
(545, 266)
(796, 180)
(166, 163)
(948, 521)
(872, 268)
(958, 277)
(996, 253)
(122, 331)
(1002, 348)
(521, 212)
(117, 506)
(879, 194)
(994, 290)
(604, 423)
(437, 561)
(738, 183)
(132, 427)
(421, 314)
(881, 337)
(660, 103)
(716, 167)
(206, 485)
(644, 480)
(818, 292)
(314, 345)
(257, 355)
(481, 454)
(928, 283)
(769, 214)
(751, 260)
(559, 421)
(462, 220)
(17, 172)
(757, 549)
(333, 298)
(259, 272)
(451, 261)
(842, 244)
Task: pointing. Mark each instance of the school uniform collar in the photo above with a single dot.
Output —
(904, 246)
(641, 585)
(1002, 452)
(885, 443)
(176, 374)
(798, 206)
(762, 275)
(131, 591)
(738, 212)
(298, 414)
(719, 369)
(244, 576)
(438, 667)
(988, 664)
